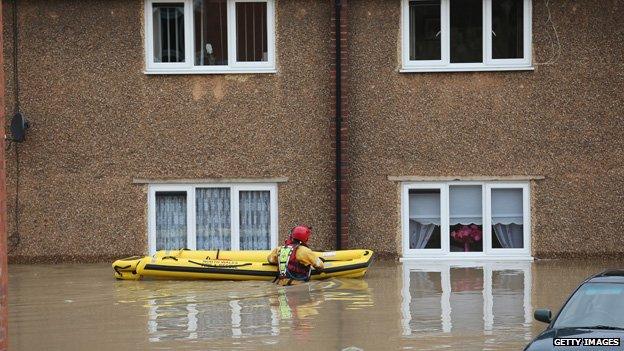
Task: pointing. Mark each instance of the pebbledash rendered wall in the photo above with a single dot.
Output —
(563, 121)
(98, 122)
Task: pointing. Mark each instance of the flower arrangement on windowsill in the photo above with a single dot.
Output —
(467, 234)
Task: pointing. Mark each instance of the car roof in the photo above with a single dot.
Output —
(607, 276)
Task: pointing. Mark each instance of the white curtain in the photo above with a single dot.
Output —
(419, 234)
(510, 236)
(213, 218)
(507, 217)
(255, 220)
(170, 221)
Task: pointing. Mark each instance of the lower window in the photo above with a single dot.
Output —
(466, 218)
(211, 217)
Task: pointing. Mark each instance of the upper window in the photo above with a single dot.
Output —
(466, 219)
(211, 217)
(466, 35)
(209, 36)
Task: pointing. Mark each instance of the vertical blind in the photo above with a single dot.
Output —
(168, 32)
(251, 31)
(211, 43)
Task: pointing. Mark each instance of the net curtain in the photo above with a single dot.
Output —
(213, 219)
(170, 221)
(255, 220)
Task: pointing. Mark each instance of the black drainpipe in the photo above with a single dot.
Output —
(338, 6)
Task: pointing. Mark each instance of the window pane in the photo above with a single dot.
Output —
(213, 219)
(507, 219)
(425, 34)
(507, 29)
(466, 31)
(168, 32)
(210, 32)
(466, 218)
(251, 31)
(424, 219)
(170, 220)
(255, 220)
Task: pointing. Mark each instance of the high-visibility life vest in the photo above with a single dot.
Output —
(289, 267)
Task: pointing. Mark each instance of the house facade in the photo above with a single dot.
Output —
(477, 129)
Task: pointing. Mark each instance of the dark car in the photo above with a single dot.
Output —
(591, 319)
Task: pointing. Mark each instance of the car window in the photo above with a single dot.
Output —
(594, 304)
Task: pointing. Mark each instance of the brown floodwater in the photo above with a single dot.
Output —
(415, 306)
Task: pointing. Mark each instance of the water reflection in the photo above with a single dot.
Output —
(488, 298)
(476, 300)
(417, 306)
(256, 310)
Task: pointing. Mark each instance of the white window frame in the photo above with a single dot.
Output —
(444, 64)
(488, 252)
(190, 189)
(526, 218)
(444, 221)
(189, 67)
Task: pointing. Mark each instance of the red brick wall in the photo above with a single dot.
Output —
(3, 232)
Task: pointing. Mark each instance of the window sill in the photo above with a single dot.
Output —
(211, 180)
(465, 69)
(211, 71)
(465, 258)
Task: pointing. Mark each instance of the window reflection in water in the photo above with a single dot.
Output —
(425, 292)
(466, 298)
(249, 313)
(173, 319)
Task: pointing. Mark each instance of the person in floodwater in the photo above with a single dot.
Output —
(295, 260)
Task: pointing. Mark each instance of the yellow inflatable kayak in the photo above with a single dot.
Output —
(233, 265)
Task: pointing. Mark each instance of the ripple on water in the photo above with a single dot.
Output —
(396, 306)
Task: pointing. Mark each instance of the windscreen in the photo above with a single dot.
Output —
(594, 304)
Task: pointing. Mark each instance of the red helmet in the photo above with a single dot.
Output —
(301, 233)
